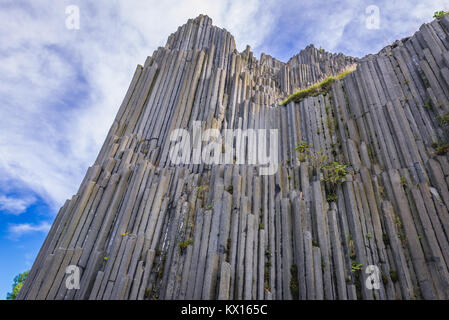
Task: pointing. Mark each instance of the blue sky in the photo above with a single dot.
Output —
(60, 88)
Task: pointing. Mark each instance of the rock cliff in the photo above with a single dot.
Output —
(361, 179)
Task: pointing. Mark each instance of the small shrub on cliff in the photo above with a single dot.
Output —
(336, 172)
(184, 244)
(441, 148)
(440, 14)
(443, 119)
(303, 147)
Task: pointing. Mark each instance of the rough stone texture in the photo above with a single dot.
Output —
(140, 227)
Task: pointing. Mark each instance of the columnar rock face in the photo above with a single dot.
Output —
(142, 227)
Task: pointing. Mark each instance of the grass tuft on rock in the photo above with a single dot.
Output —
(318, 88)
(440, 14)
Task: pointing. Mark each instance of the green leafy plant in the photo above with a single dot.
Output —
(318, 159)
(351, 246)
(428, 104)
(440, 14)
(441, 148)
(19, 280)
(443, 119)
(228, 248)
(267, 275)
(303, 147)
(201, 192)
(397, 221)
(402, 237)
(294, 283)
(336, 172)
(356, 267)
(184, 244)
(403, 182)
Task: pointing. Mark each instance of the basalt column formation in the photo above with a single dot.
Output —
(141, 227)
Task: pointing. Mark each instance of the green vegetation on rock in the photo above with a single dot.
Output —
(441, 148)
(317, 88)
(440, 14)
(184, 244)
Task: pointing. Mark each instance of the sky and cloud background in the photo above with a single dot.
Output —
(60, 89)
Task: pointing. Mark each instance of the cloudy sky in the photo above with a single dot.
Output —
(60, 88)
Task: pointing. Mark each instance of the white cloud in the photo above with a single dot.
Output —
(17, 230)
(15, 205)
(398, 19)
(329, 36)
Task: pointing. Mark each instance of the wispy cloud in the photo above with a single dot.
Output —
(17, 230)
(398, 19)
(340, 26)
(15, 205)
